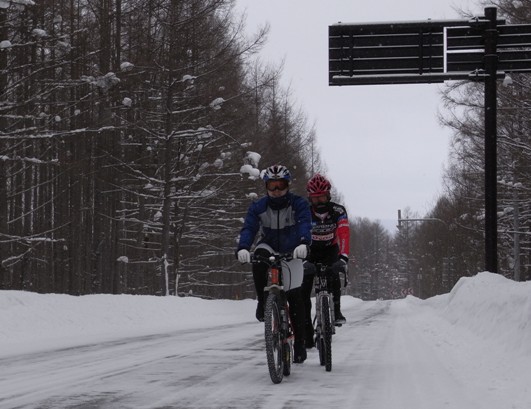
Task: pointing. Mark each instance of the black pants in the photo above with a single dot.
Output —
(295, 300)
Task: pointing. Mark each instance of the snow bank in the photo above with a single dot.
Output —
(31, 322)
(489, 305)
(492, 307)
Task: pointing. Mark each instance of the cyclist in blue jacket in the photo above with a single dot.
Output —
(283, 222)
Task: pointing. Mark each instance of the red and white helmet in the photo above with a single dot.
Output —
(318, 185)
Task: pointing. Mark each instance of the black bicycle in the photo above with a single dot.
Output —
(279, 335)
(324, 316)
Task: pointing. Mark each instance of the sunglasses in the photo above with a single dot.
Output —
(276, 185)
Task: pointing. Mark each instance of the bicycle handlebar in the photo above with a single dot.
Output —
(324, 269)
(272, 259)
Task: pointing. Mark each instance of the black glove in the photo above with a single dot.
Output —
(342, 266)
(344, 259)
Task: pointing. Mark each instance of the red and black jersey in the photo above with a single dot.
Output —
(330, 234)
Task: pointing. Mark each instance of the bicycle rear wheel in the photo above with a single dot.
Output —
(327, 334)
(273, 338)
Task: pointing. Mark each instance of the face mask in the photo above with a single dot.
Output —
(321, 208)
(278, 202)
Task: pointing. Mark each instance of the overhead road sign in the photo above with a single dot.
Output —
(422, 52)
(387, 52)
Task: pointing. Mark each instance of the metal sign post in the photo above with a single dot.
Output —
(481, 49)
(491, 165)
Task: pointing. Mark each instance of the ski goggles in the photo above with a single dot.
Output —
(273, 185)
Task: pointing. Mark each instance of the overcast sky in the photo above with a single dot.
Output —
(382, 144)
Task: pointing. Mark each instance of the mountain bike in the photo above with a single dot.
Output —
(279, 335)
(324, 316)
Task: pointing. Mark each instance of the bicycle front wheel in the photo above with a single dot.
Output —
(273, 338)
(327, 333)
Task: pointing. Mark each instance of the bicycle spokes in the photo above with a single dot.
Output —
(273, 337)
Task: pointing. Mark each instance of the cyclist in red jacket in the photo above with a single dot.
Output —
(330, 245)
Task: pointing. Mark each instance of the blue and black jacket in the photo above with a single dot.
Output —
(283, 223)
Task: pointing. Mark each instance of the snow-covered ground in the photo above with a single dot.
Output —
(469, 349)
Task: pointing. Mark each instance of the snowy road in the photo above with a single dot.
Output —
(390, 354)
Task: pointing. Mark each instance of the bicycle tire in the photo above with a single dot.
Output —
(327, 333)
(273, 338)
(287, 356)
(321, 347)
(319, 338)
